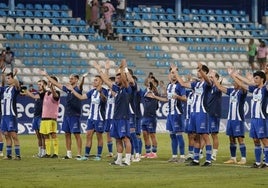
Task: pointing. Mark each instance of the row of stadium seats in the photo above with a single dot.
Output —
(30, 6)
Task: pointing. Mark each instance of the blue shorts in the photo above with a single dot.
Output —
(214, 124)
(198, 123)
(258, 129)
(235, 128)
(132, 121)
(36, 123)
(9, 124)
(96, 125)
(149, 124)
(108, 125)
(175, 123)
(188, 127)
(120, 129)
(71, 124)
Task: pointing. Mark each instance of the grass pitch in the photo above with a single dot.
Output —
(46, 173)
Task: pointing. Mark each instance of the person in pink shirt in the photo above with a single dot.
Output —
(262, 55)
(108, 11)
(48, 126)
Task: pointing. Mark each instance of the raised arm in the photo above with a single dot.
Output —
(104, 76)
(203, 74)
(82, 81)
(30, 94)
(235, 76)
(174, 70)
(54, 82)
(152, 95)
(78, 95)
(217, 83)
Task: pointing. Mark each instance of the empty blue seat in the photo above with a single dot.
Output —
(194, 11)
(20, 6)
(128, 24)
(82, 29)
(128, 16)
(47, 7)
(64, 15)
(219, 19)
(37, 13)
(226, 12)
(3, 6)
(195, 18)
(45, 37)
(55, 7)
(145, 17)
(55, 21)
(218, 11)
(137, 39)
(20, 13)
(211, 12)
(129, 39)
(170, 18)
(170, 11)
(206, 40)
(18, 36)
(55, 14)
(64, 7)
(204, 18)
(119, 23)
(36, 37)
(146, 39)
(28, 13)
(46, 14)
(234, 13)
(227, 19)
(38, 7)
(154, 17)
(236, 19)
(29, 6)
(136, 9)
(186, 11)
(3, 13)
(82, 22)
(27, 36)
(128, 9)
(137, 31)
(202, 11)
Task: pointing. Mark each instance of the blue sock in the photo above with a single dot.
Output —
(208, 152)
(265, 150)
(110, 147)
(154, 149)
(133, 140)
(99, 152)
(196, 154)
(233, 150)
(9, 150)
(87, 151)
(147, 148)
(17, 150)
(243, 150)
(174, 144)
(140, 144)
(1, 146)
(258, 151)
(191, 149)
(181, 144)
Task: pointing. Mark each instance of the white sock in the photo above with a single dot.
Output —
(119, 158)
(214, 152)
(69, 153)
(128, 155)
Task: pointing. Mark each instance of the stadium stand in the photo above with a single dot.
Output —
(47, 36)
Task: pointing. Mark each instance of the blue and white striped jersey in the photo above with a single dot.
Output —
(109, 113)
(9, 100)
(236, 104)
(258, 102)
(175, 106)
(97, 105)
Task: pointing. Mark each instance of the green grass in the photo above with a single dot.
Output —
(35, 172)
